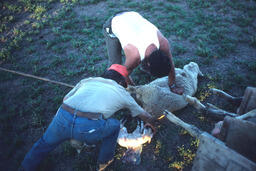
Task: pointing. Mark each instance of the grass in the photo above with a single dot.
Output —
(12, 11)
(188, 157)
(253, 41)
(179, 49)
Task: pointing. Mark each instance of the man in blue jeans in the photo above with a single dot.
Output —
(85, 116)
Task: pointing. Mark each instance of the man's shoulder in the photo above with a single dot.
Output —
(131, 51)
(93, 79)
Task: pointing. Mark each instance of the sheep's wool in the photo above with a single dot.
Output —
(156, 96)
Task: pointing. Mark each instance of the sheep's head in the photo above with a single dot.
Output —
(187, 77)
(193, 67)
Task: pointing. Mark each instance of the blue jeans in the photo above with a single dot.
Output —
(65, 126)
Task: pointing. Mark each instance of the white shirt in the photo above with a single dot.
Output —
(132, 28)
(101, 95)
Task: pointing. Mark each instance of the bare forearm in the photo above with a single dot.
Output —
(165, 47)
(146, 117)
(129, 81)
(171, 76)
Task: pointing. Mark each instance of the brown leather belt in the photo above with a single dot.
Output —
(89, 115)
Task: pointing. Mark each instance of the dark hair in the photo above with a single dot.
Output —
(159, 64)
(116, 76)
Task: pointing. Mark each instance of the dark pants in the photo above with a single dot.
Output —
(66, 126)
(113, 45)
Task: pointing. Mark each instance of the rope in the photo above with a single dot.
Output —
(36, 77)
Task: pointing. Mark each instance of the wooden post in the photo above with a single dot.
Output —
(194, 131)
(226, 96)
(213, 154)
(209, 109)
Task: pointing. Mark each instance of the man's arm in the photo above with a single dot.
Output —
(136, 110)
(165, 47)
(146, 117)
(129, 80)
(132, 60)
(148, 120)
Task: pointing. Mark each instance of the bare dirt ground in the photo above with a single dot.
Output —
(63, 40)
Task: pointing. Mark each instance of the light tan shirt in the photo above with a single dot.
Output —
(101, 95)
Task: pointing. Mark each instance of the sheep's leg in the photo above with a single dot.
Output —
(141, 127)
(137, 129)
(214, 111)
(122, 122)
(209, 110)
(78, 145)
(195, 103)
(250, 114)
(234, 100)
(194, 131)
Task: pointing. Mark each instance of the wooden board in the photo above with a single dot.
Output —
(213, 154)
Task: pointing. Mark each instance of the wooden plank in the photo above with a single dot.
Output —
(213, 154)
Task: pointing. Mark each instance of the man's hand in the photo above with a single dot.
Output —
(176, 90)
(217, 128)
(151, 127)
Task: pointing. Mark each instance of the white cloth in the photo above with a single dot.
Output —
(101, 95)
(132, 28)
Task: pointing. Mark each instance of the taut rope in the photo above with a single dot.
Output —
(36, 77)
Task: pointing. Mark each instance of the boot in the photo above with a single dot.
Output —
(102, 167)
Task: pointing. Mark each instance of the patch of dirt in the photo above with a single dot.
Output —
(93, 10)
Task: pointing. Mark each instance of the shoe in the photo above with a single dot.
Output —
(21, 168)
(103, 166)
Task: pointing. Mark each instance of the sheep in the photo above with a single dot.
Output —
(156, 96)
(133, 141)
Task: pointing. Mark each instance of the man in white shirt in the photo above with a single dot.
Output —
(141, 42)
(85, 116)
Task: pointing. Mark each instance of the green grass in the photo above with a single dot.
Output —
(252, 66)
(23, 7)
(203, 51)
(179, 49)
(253, 41)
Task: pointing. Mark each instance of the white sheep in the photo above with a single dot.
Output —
(156, 96)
